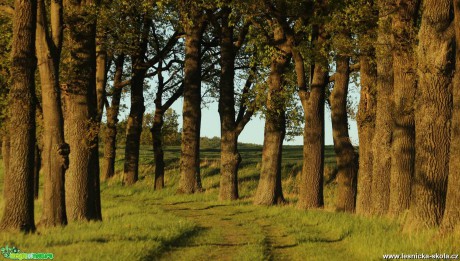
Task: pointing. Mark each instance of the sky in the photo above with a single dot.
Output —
(254, 130)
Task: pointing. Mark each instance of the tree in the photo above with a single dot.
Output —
(112, 120)
(432, 114)
(269, 191)
(231, 125)
(452, 211)
(134, 128)
(383, 121)
(55, 150)
(194, 22)
(18, 213)
(405, 84)
(311, 187)
(367, 104)
(345, 153)
(80, 113)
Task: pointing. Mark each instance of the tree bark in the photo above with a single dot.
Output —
(5, 158)
(452, 212)
(82, 195)
(344, 151)
(269, 191)
(134, 126)
(55, 150)
(190, 179)
(18, 213)
(37, 168)
(405, 84)
(229, 156)
(110, 145)
(384, 121)
(366, 130)
(158, 149)
(432, 114)
(311, 180)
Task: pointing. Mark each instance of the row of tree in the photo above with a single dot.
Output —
(255, 56)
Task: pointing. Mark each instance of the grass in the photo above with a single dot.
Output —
(142, 224)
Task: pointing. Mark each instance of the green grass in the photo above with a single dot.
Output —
(142, 224)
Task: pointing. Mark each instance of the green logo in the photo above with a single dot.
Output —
(16, 254)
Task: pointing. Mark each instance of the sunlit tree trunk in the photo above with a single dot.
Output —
(435, 58)
(344, 151)
(269, 191)
(55, 150)
(82, 194)
(190, 179)
(405, 83)
(384, 121)
(452, 212)
(18, 212)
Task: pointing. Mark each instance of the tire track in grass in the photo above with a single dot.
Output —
(229, 232)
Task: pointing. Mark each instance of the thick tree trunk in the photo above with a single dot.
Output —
(81, 127)
(112, 120)
(269, 191)
(134, 127)
(229, 156)
(344, 151)
(405, 83)
(311, 181)
(450, 221)
(384, 121)
(190, 180)
(366, 129)
(18, 213)
(158, 153)
(432, 114)
(55, 150)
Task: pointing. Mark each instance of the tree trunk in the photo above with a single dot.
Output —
(432, 114)
(134, 127)
(405, 84)
(366, 129)
(158, 153)
(311, 180)
(384, 121)
(110, 145)
(55, 150)
(229, 156)
(37, 167)
(269, 191)
(18, 213)
(136, 113)
(344, 151)
(190, 180)
(101, 77)
(81, 127)
(452, 212)
(5, 158)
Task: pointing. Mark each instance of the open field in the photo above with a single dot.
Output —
(141, 224)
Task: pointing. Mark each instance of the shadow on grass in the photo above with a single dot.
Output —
(179, 242)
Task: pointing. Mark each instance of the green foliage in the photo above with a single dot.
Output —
(5, 48)
(170, 130)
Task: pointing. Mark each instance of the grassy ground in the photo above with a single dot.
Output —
(141, 224)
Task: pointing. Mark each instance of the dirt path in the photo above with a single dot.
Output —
(228, 232)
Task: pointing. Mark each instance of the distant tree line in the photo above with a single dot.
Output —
(281, 59)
